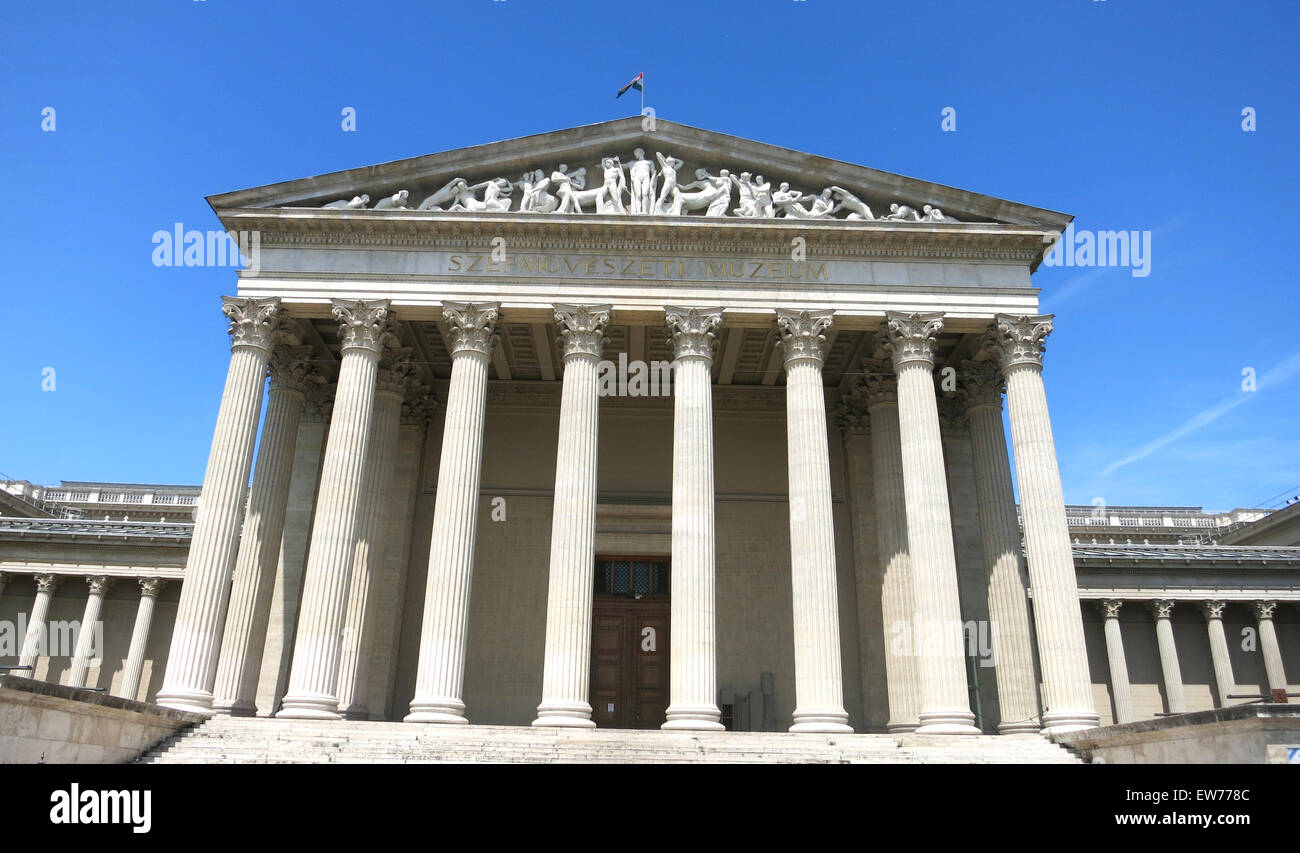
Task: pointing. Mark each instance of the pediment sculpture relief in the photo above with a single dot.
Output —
(645, 187)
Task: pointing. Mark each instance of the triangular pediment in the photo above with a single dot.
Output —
(683, 171)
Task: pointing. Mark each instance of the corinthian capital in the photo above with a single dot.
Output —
(1018, 340)
(47, 583)
(582, 328)
(692, 332)
(952, 415)
(1263, 609)
(981, 384)
(418, 407)
(150, 587)
(471, 326)
(852, 415)
(395, 371)
(803, 333)
(879, 383)
(291, 369)
(910, 337)
(99, 584)
(1213, 609)
(1109, 607)
(253, 322)
(1162, 608)
(363, 324)
(319, 404)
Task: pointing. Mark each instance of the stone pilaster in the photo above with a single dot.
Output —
(1268, 644)
(440, 674)
(1175, 697)
(1120, 691)
(1067, 686)
(393, 378)
(244, 638)
(694, 637)
(88, 632)
(1008, 602)
(201, 611)
(34, 644)
(937, 625)
(854, 419)
(819, 679)
(130, 686)
(313, 677)
(566, 671)
(1223, 679)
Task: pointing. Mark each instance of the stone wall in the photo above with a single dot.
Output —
(47, 723)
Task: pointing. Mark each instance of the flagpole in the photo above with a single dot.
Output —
(643, 93)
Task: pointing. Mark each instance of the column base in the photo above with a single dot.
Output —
(954, 722)
(445, 711)
(900, 728)
(194, 701)
(356, 712)
(1023, 728)
(833, 721)
(569, 715)
(309, 708)
(693, 718)
(238, 708)
(1060, 722)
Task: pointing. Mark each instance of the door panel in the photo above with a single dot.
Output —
(629, 676)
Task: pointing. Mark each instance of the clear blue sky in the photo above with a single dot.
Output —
(1126, 114)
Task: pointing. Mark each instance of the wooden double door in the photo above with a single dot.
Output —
(629, 662)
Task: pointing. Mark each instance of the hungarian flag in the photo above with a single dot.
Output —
(638, 83)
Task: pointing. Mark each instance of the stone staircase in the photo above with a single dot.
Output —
(226, 740)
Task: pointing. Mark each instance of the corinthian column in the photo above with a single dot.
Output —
(149, 589)
(34, 644)
(86, 635)
(1163, 609)
(1119, 686)
(819, 680)
(694, 637)
(1223, 679)
(259, 549)
(201, 611)
(566, 671)
(879, 389)
(395, 369)
(1067, 685)
(440, 675)
(313, 677)
(939, 649)
(1268, 644)
(1008, 600)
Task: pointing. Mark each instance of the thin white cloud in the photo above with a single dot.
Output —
(1275, 375)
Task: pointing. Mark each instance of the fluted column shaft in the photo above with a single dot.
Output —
(566, 670)
(1120, 691)
(1223, 679)
(1007, 597)
(694, 641)
(1175, 696)
(87, 632)
(313, 676)
(891, 536)
(938, 642)
(244, 639)
(201, 611)
(367, 564)
(1268, 644)
(440, 674)
(34, 640)
(1063, 657)
(130, 686)
(819, 678)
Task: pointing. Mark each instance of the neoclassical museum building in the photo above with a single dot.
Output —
(637, 425)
